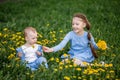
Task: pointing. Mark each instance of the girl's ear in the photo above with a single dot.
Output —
(84, 24)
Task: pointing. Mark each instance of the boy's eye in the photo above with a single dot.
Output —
(77, 24)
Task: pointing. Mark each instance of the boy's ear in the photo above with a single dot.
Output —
(26, 38)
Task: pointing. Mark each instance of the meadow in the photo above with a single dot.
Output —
(52, 19)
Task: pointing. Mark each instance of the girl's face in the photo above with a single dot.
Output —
(78, 25)
(31, 38)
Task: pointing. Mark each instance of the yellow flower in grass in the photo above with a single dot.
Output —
(70, 66)
(78, 69)
(66, 78)
(85, 63)
(74, 65)
(57, 60)
(65, 55)
(55, 70)
(11, 56)
(112, 71)
(110, 65)
(17, 59)
(79, 78)
(74, 76)
(5, 29)
(61, 31)
(102, 44)
(60, 67)
(61, 63)
(66, 66)
(17, 65)
(52, 59)
(0, 34)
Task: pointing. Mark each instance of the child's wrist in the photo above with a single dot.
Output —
(52, 50)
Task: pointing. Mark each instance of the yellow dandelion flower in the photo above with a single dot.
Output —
(90, 72)
(52, 59)
(100, 69)
(11, 56)
(61, 63)
(111, 71)
(66, 78)
(5, 29)
(107, 76)
(31, 76)
(102, 44)
(106, 65)
(79, 78)
(27, 73)
(75, 65)
(70, 66)
(85, 72)
(53, 35)
(65, 55)
(61, 31)
(9, 66)
(0, 34)
(57, 59)
(67, 61)
(18, 33)
(55, 70)
(110, 65)
(78, 69)
(66, 66)
(85, 63)
(12, 48)
(74, 76)
(60, 67)
(38, 42)
(48, 25)
(17, 65)
(40, 35)
(17, 59)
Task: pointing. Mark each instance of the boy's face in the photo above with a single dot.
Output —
(31, 38)
(78, 25)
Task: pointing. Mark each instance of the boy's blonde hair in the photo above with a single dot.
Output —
(28, 29)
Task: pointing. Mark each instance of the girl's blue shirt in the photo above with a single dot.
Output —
(79, 47)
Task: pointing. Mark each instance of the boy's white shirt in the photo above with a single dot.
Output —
(30, 53)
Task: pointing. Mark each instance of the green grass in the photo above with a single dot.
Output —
(53, 15)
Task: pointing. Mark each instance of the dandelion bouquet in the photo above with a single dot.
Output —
(102, 45)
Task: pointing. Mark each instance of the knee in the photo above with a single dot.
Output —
(42, 59)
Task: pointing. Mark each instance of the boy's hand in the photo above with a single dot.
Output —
(47, 49)
(38, 53)
(19, 54)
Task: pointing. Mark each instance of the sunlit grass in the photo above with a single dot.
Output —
(65, 70)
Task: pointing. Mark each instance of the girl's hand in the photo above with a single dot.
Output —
(47, 49)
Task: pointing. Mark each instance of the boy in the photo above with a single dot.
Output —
(31, 52)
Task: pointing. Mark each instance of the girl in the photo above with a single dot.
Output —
(82, 43)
